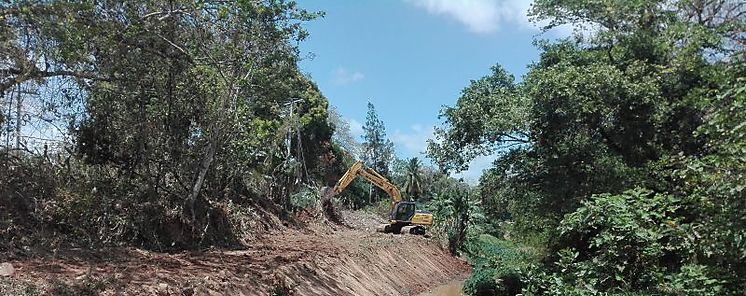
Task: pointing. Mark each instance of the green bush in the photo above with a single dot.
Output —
(636, 242)
(481, 282)
(498, 266)
(307, 197)
(381, 208)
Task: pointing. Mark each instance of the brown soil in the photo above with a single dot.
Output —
(320, 259)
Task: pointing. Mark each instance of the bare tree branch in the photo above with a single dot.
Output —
(36, 73)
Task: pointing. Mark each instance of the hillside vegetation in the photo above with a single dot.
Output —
(152, 142)
(168, 120)
(621, 155)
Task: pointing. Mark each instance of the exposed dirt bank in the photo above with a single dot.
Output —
(314, 261)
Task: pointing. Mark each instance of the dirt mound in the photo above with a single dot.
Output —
(361, 220)
(346, 261)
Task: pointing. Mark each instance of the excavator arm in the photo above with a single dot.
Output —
(359, 169)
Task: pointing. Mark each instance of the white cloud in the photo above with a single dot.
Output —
(480, 16)
(414, 141)
(342, 76)
(476, 166)
(487, 16)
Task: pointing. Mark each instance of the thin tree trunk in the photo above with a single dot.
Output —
(204, 167)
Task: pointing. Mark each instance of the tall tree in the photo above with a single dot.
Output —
(378, 151)
(181, 100)
(603, 122)
(342, 135)
(413, 182)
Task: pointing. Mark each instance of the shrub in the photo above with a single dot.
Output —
(306, 198)
(498, 265)
(634, 243)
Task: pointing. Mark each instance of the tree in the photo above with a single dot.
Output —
(413, 183)
(178, 102)
(491, 113)
(454, 212)
(342, 133)
(619, 141)
(378, 151)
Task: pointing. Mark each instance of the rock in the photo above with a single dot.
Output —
(6, 269)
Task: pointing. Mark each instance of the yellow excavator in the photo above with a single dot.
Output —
(403, 217)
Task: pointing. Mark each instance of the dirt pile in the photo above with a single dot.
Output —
(350, 260)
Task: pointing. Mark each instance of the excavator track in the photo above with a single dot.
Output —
(384, 228)
(410, 229)
(413, 229)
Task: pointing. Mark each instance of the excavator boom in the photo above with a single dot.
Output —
(359, 169)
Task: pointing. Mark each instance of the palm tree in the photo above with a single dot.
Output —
(413, 184)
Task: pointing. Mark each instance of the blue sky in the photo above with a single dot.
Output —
(411, 57)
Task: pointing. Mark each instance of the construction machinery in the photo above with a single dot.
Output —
(403, 216)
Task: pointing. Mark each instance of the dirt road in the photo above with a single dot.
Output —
(318, 260)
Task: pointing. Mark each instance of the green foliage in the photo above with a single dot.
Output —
(419, 181)
(637, 242)
(306, 198)
(481, 282)
(356, 194)
(413, 183)
(381, 208)
(455, 214)
(377, 149)
(623, 242)
(695, 279)
(651, 97)
(498, 266)
(175, 115)
(490, 110)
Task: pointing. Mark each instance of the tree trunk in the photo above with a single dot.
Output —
(204, 167)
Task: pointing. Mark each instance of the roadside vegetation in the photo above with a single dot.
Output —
(621, 155)
(163, 124)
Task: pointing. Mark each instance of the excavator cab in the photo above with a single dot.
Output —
(403, 211)
(405, 218)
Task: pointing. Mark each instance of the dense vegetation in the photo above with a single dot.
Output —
(172, 120)
(622, 155)
(179, 124)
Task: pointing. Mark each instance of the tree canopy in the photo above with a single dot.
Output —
(173, 108)
(608, 144)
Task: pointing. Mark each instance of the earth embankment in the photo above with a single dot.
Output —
(320, 259)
